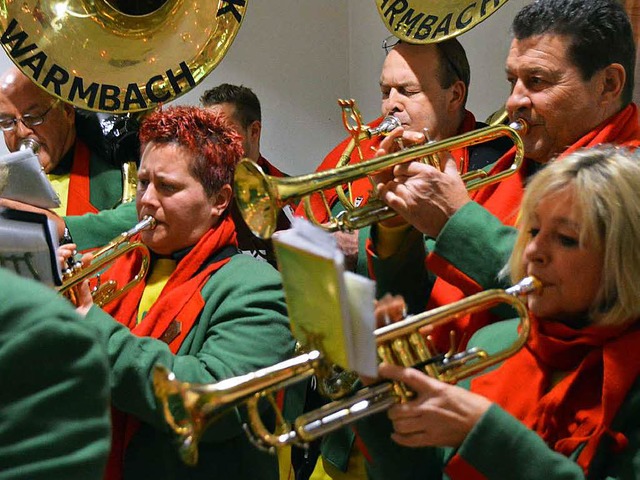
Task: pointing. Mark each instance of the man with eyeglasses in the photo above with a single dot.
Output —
(73, 152)
(425, 87)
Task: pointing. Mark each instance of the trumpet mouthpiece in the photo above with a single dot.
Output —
(525, 286)
(520, 125)
(388, 124)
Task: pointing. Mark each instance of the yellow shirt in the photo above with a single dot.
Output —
(157, 279)
(60, 185)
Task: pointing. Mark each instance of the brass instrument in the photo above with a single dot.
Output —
(106, 292)
(118, 56)
(431, 21)
(260, 196)
(398, 343)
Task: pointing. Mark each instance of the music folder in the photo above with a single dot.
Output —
(28, 246)
(27, 182)
(330, 309)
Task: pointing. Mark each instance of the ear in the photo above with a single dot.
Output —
(69, 112)
(220, 200)
(254, 131)
(457, 93)
(613, 78)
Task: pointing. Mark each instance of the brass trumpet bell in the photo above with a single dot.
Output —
(260, 196)
(398, 343)
(106, 292)
(109, 56)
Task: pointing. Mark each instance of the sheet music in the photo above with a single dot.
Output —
(329, 309)
(27, 182)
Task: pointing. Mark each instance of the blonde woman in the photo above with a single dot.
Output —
(566, 405)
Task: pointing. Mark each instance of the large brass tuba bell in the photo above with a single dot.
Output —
(430, 21)
(260, 196)
(399, 343)
(115, 56)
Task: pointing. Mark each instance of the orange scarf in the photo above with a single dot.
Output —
(603, 364)
(79, 195)
(181, 292)
(503, 199)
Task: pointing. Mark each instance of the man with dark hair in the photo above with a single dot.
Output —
(425, 88)
(571, 68)
(241, 109)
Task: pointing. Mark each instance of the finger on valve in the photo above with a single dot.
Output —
(389, 309)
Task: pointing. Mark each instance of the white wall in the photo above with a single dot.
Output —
(300, 56)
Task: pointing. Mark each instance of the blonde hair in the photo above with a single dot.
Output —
(606, 193)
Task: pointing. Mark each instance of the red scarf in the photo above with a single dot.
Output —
(503, 200)
(361, 188)
(603, 363)
(79, 194)
(181, 293)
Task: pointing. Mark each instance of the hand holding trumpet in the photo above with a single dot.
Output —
(81, 293)
(439, 415)
(420, 193)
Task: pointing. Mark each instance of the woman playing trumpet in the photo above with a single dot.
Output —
(565, 406)
(204, 311)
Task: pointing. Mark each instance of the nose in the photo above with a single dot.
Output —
(392, 103)
(148, 197)
(519, 99)
(22, 131)
(536, 251)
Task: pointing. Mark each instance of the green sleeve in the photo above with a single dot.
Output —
(243, 327)
(93, 230)
(477, 243)
(388, 460)
(54, 398)
(501, 447)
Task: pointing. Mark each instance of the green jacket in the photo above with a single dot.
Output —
(242, 327)
(473, 240)
(54, 417)
(499, 446)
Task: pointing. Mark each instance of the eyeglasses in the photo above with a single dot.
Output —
(390, 42)
(8, 124)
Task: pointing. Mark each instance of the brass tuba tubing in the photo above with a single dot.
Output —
(103, 258)
(260, 196)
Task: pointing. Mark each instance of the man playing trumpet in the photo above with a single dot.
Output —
(570, 67)
(565, 405)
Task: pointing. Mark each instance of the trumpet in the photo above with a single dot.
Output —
(260, 196)
(106, 292)
(398, 343)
